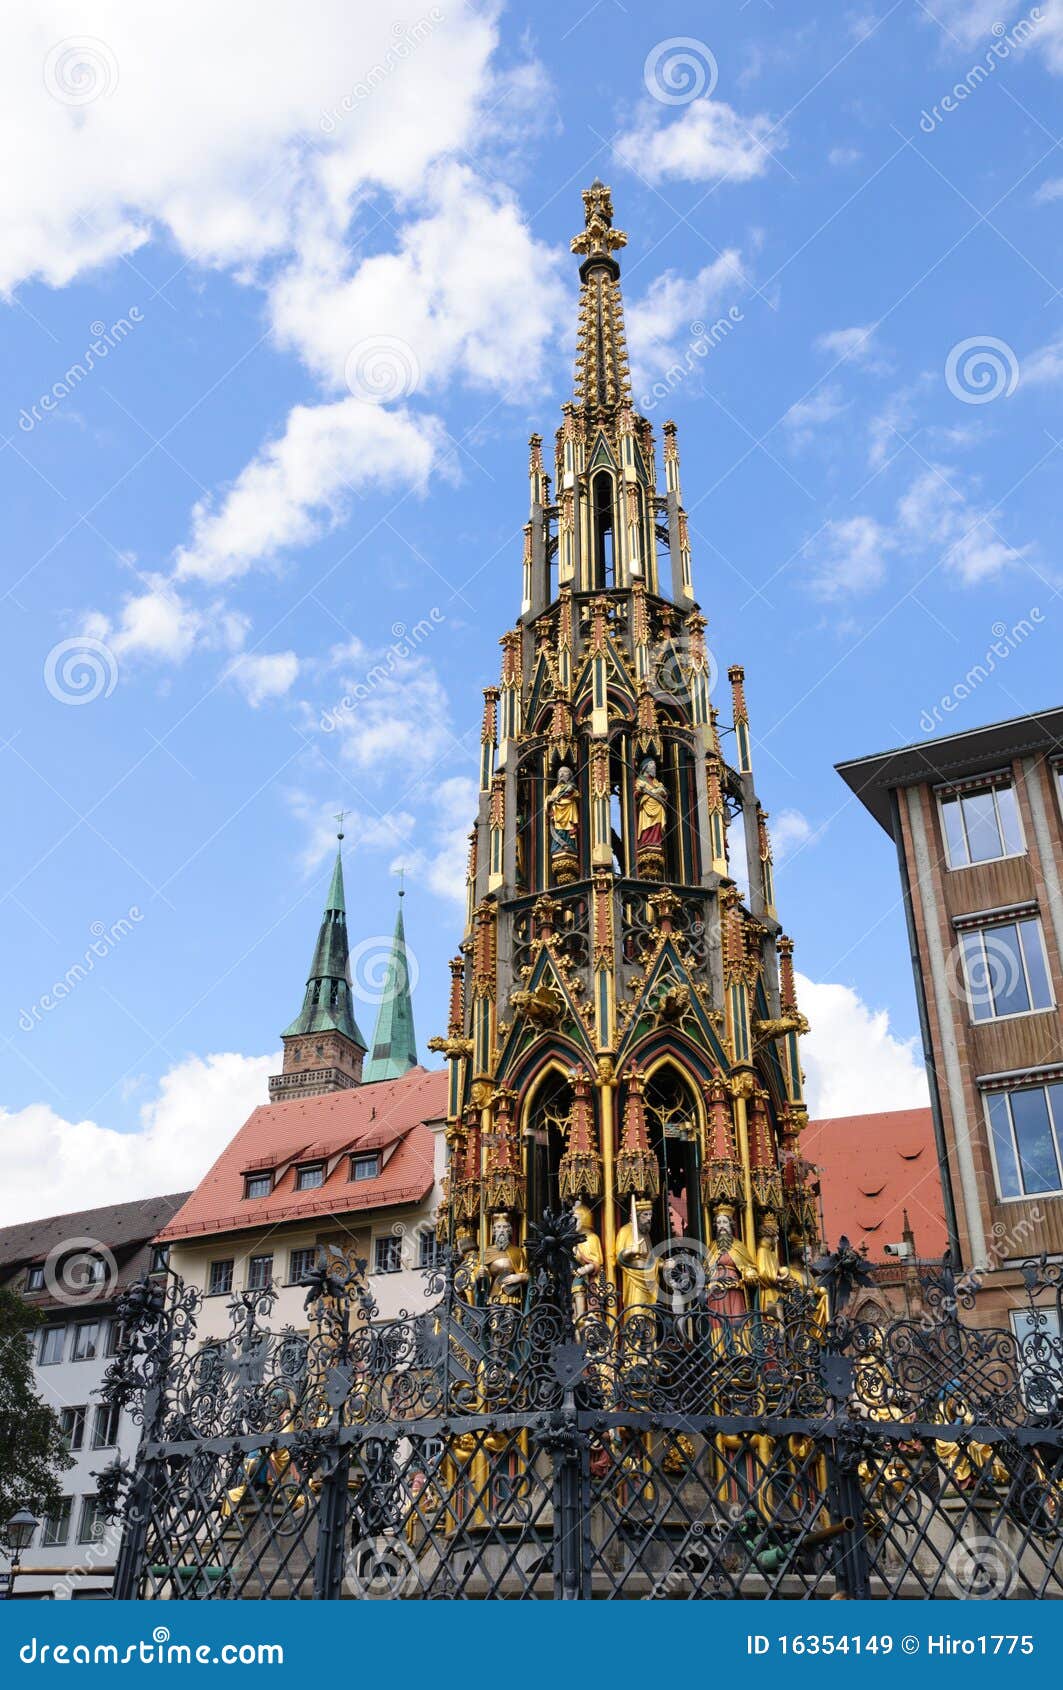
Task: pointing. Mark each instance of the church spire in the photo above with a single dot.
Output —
(323, 1046)
(394, 1050)
(603, 380)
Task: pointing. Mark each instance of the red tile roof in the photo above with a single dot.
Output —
(369, 1117)
(873, 1168)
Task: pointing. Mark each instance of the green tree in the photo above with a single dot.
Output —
(32, 1453)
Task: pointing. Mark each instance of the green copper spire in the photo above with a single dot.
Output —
(394, 1049)
(327, 1004)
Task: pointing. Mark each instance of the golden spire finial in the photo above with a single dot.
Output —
(598, 240)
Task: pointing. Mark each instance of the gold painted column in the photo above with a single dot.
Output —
(605, 1084)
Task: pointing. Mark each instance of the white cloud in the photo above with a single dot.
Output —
(853, 1063)
(390, 711)
(265, 675)
(840, 157)
(706, 142)
(442, 867)
(1044, 368)
(854, 346)
(822, 406)
(300, 484)
(790, 832)
(1049, 191)
(936, 513)
(199, 1105)
(363, 830)
(675, 310)
(157, 623)
(848, 557)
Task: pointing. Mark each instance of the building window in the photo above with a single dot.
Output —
(430, 1250)
(221, 1278)
(258, 1185)
(310, 1177)
(1026, 1129)
(981, 825)
(86, 1341)
(72, 1425)
(301, 1264)
(259, 1273)
(114, 1337)
(57, 1525)
(365, 1167)
(91, 1524)
(387, 1254)
(105, 1426)
(160, 1258)
(53, 1342)
(1006, 970)
(35, 1277)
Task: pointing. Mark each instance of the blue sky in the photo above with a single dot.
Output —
(331, 265)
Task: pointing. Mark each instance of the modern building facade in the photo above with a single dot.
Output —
(72, 1268)
(348, 1154)
(977, 823)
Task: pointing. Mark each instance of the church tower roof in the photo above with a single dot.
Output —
(394, 1048)
(327, 1002)
(603, 379)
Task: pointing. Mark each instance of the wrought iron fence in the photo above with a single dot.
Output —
(552, 1445)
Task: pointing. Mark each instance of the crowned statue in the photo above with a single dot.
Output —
(731, 1272)
(640, 1267)
(588, 1259)
(505, 1265)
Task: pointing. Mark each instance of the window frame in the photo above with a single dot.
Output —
(258, 1179)
(956, 794)
(363, 1156)
(978, 930)
(35, 1277)
(1007, 1092)
(310, 1168)
(81, 1327)
(255, 1281)
(47, 1332)
(107, 1418)
(310, 1250)
(385, 1246)
(81, 1412)
(63, 1515)
(429, 1249)
(91, 1525)
(220, 1290)
(160, 1259)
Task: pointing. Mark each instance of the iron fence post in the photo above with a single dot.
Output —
(331, 1526)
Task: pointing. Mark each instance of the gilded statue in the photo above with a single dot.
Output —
(562, 806)
(651, 798)
(588, 1259)
(505, 1266)
(640, 1268)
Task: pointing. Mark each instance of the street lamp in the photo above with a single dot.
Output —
(19, 1536)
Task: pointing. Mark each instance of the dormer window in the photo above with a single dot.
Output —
(35, 1277)
(310, 1176)
(258, 1185)
(365, 1167)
